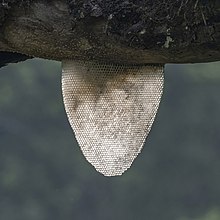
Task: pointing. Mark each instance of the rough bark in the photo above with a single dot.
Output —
(129, 31)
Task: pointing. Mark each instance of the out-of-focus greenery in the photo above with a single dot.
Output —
(44, 176)
(213, 214)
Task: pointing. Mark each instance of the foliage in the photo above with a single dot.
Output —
(43, 174)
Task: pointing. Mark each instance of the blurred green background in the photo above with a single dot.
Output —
(44, 176)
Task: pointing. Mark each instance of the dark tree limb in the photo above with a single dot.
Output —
(160, 31)
(8, 57)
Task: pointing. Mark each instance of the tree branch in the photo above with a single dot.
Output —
(175, 31)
